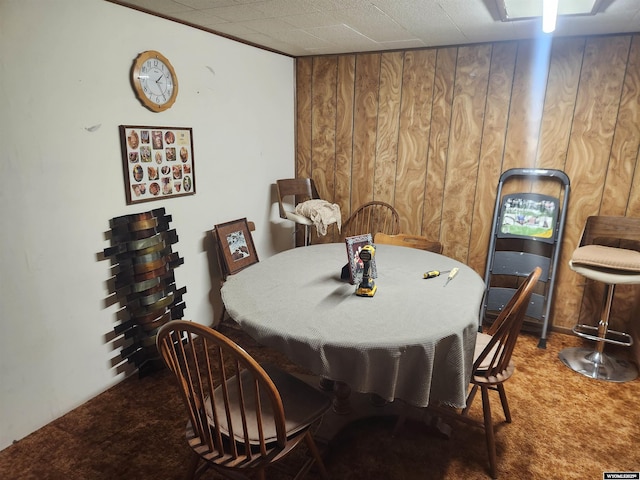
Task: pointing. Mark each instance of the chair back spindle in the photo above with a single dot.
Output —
(372, 217)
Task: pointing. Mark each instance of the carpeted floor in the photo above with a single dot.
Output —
(564, 426)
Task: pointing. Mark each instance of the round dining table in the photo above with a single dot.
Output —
(413, 340)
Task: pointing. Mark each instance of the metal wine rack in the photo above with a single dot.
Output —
(144, 283)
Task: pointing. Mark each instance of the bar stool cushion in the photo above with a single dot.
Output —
(320, 213)
(295, 217)
(609, 265)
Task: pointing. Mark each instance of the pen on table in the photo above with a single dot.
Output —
(452, 274)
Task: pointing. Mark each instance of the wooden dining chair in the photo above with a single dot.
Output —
(372, 217)
(492, 366)
(407, 240)
(243, 417)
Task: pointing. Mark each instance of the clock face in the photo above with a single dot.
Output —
(155, 81)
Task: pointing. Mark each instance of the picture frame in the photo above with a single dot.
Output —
(236, 245)
(528, 216)
(355, 265)
(158, 162)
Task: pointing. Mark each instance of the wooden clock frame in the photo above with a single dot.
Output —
(138, 87)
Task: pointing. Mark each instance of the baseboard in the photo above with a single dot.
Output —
(635, 335)
(563, 330)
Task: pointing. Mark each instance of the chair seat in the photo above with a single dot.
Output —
(321, 213)
(303, 405)
(482, 340)
(608, 265)
(479, 376)
(605, 275)
(298, 218)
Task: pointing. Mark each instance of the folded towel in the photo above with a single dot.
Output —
(321, 213)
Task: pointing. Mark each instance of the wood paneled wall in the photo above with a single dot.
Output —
(430, 131)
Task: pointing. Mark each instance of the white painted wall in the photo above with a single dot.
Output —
(64, 67)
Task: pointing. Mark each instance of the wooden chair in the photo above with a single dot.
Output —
(492, 366)
(407, 240)
(222, 268)
(242, 417)
(292, 191)
(372, 217)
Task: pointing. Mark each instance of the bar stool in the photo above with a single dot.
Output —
(611, 266)
(297, 190)
(308, 208)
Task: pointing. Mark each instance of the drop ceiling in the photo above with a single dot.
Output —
(318, 27)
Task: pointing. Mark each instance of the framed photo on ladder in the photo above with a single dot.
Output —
(529, 215)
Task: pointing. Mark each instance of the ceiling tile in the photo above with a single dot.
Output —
(204, 4)
(343, 26)
(302, 39)
(309, 20)
(200, 17)
(339, 34)
(237, 13)
(281, 8)
(267, 26)
(375, 24)
(165, 7)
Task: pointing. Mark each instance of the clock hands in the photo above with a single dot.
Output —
(161, 86)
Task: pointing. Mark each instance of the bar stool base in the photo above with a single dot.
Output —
(598, 365)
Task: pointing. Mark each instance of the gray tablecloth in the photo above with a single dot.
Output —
(413, 340)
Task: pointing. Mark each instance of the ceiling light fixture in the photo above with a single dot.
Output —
(512, 10)
(549, 15)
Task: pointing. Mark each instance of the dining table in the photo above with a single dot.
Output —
(413, 340)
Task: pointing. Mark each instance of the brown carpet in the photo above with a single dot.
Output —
(564, 426)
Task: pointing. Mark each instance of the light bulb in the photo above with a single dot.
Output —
(549, 15)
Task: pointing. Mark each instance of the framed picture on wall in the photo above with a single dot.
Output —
(355, 265)
(236, 244)
(158, 162)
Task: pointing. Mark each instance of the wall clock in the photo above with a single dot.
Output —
(154, 81)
